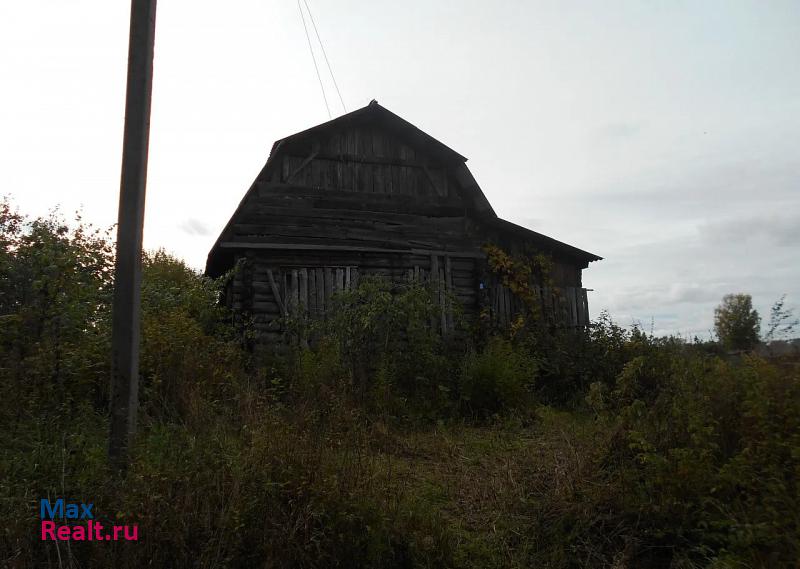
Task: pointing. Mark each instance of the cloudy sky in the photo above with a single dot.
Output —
(663, 136)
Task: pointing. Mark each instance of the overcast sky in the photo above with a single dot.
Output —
(662, 136)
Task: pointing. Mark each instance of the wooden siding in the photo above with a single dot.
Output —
(272, 286)
(364, 159)
(561, 306)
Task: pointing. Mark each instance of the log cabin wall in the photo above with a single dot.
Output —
(277, 284)
(369, 194)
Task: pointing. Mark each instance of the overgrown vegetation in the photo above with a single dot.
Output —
(372, 442)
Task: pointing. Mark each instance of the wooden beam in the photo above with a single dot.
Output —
(362, 159)
(276, 293)
(304, 247)
(302, 165)
(436, 189)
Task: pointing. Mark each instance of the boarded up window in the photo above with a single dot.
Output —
(310, 290)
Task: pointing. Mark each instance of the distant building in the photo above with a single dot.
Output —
(370, 194)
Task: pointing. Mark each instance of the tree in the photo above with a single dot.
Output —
(737, 323)
(781, 321)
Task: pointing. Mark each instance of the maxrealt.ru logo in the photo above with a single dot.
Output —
(73, 515)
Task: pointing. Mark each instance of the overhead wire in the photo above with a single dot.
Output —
(325, 55)
(313, 57)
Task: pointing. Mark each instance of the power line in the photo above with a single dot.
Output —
(313, 58)
(325, 55)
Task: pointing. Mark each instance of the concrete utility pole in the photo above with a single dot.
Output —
(128, 273)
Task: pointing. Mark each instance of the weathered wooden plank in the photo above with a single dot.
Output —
(329, 288)
(402, 179)
(312, 292)
(286, 168)
(436, 284)
(443, 304)
(274, 286)
(306, 197)
(320, 282)
(377, 144)
(339, 285)
(378, 181)
(388, 181)
(303, 290)
(268, 308)
(294, 295)
(347, 176)
(368, 173)
(572, 293)
(448, 272)
(301, 167)
(288, 260)
(585, 298)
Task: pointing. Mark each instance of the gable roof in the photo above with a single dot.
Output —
(376, 115)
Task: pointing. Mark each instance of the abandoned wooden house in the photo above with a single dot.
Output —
(370, 194)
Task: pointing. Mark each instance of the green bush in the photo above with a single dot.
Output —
(711, 449)
(497, 378)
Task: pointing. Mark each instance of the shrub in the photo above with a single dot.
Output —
(712, 454)
(55, 295)
(189, 348)
(497, 378)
